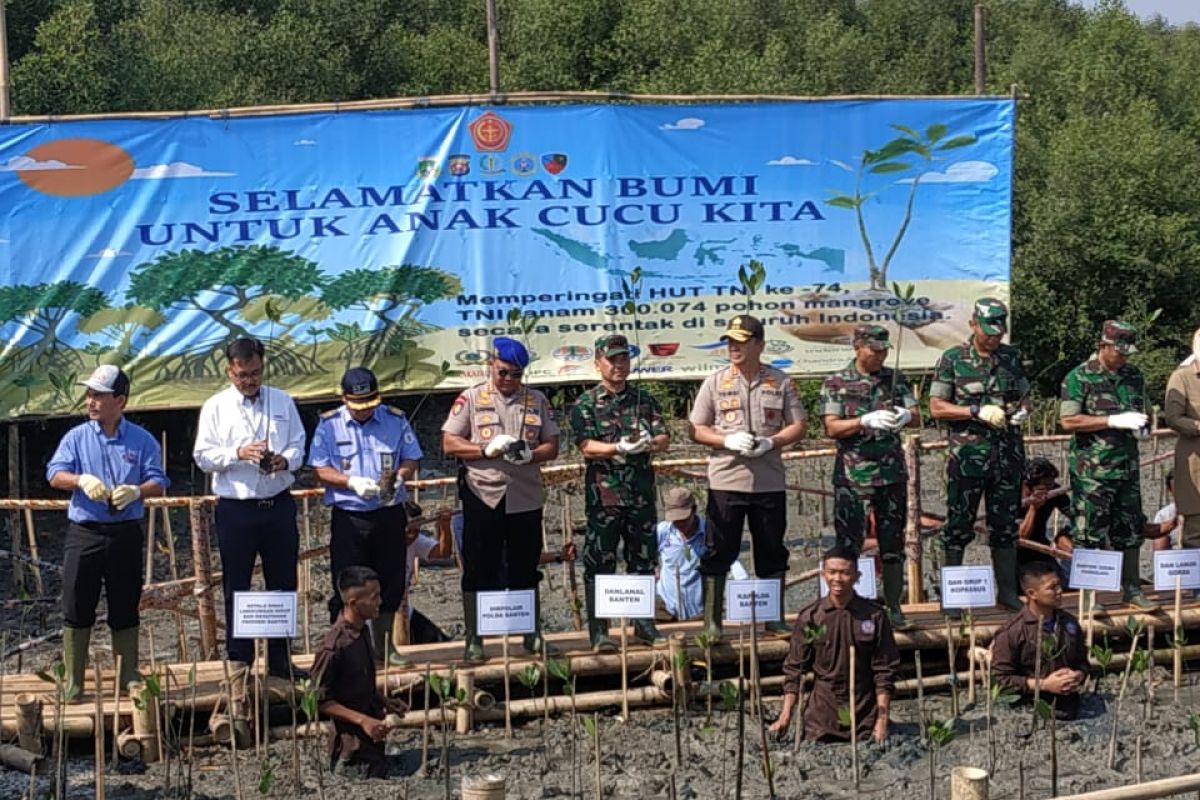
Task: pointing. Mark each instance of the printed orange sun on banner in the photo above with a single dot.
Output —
(76, 167)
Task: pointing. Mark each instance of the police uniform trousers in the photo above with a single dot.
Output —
(727, 514)
(107, 554)
(500, 550)
(248, 530)
(372, 539)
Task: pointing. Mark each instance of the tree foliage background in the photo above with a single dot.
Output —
(1107, 212)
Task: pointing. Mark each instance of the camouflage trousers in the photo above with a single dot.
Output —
(1107, 514)
(1003, 497)
(610, 526)
(850, 507)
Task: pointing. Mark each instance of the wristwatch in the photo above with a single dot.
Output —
(974, 410)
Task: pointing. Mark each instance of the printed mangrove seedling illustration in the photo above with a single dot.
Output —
(908, 152)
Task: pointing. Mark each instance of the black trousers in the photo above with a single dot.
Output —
(372, 539)
(102, 554)
(246, 531)
(727, 514)
(500, 550)
(422, 630)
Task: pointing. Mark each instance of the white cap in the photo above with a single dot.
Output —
(108, 379)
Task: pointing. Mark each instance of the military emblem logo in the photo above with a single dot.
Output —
(459, 165)
(554, 163)
(490, 132)
(524, 164)
(428, 168)
(491, 165)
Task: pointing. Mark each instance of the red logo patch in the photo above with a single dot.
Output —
(490, 132)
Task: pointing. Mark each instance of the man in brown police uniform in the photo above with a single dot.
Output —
(500, 431)
(747, 412)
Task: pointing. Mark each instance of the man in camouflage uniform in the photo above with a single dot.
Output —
(980, 390)
(1104, 405)
(864, 407)
(616, 428)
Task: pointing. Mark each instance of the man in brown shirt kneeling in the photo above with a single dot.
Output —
(345, 672)
(822, 636)
(1063, 659)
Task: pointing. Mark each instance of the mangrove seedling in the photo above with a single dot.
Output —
(1102, 654)
(707, 640)
(1193, 723)
(938, 735)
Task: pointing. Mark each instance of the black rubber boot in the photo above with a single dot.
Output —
(534, 642)
(893, 590)
(597, 628)
(1004, 568)
(1131, 581)
(473, 652)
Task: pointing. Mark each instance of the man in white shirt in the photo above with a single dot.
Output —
(250, 439)
(680, 547)
(1167, 514)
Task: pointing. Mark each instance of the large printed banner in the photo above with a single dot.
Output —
(406, 240)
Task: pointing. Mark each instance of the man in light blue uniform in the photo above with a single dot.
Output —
(108, 464)
(680, 547)
(363, 452)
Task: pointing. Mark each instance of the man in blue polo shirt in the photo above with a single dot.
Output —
(109, 465)
(363, 452)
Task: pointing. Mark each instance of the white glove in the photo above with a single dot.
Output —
(1128, 421)
(627, 448)
(740, 442)
(521, 458)
(124, 494)
(363, 487)
(497, 446)
(1018, 417)
(880, 420)
(93, 487)
(994, 416)
(903, 417)
(762, 446)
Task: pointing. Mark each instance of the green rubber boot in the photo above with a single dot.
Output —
(381, 628)
(714, 605)
(646, 632)
(597, 628)
(125, 645)
(893, 590)
(1131, 581)
(535, 642)
(473, 653)
(779, 626)
(75, 658)
(1004, 568)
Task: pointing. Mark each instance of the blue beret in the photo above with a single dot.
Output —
(511, 350)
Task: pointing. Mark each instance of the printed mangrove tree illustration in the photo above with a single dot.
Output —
(221, 285)
(41, 309)
(910, 151)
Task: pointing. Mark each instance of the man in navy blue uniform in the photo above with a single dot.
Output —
(363, 451)
(109, 465)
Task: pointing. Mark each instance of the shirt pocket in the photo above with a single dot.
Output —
(771, 416)
(344, 453)
(486, 424)
(971, 389)
(731, 415)
(532, 425)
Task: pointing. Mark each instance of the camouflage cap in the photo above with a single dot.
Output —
(992, 316)
(614, 344)
(743, 328)
(1120, 335)
(874, 336)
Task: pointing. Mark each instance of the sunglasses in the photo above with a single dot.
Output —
(510, 373)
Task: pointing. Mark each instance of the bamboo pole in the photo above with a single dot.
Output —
(31, 536)
(99, 738)
(145, 722)
(150, 532)
(507, 690)
(1177, 665)
(854, 715)
(624, 673)
(30, 724)
(464, 713)
(305, 579)
(970, 663)
(968, 783)
(912, 522)
(1143, 791)
(202, 567)
(116, 700)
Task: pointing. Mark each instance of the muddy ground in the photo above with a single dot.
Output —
(638, 755)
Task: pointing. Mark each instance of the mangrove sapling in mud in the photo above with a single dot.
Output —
(592, 725)
(560, 668)
(997, 695)
(310, 695)
(1135, 629)
(529, 677)
(58, 677)
(741, 735)
(1141, 667)
(1047, 712)
(938, 735)
(233, 750)
(730, 693)
(707, 640)
(448, 700)
(1102, 654)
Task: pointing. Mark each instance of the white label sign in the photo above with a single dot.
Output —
(968, 587)
(1096, 569)
(738, 606)
(500, 613)
(1172, 564)
(625, 596)
(865, 586)
(264, 615)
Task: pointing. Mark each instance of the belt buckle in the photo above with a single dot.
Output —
(266, 503)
